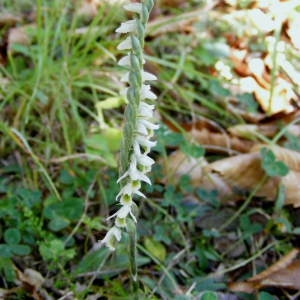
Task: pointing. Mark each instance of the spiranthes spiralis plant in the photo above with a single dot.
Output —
(139, 127)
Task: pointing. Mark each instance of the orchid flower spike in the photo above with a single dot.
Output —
(140, 126)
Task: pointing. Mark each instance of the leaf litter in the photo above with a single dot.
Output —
(266, 70)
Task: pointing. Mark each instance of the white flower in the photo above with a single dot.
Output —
(143, 159)
(112, 237)
(148, 124)
(128, 26)
(146, 76)
(145, 142)
(145, 128)
(125, 45)
(124, 61)
(134, 7)
(134, 173)
(123, 212)
(121, 223)
(145, 110)
(130, 189)
(146, 92)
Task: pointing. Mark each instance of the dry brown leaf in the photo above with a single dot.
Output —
(88, 8)
(32, 282)
(9, 19)
(178, 164)
(245, 172)
(285, 273)
(282, 96)
(220, 141)
(18, 35)
(290, 157)
(251, 131)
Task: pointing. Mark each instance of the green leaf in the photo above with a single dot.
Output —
(113, 137)
(55, 250)
(58, 224)
(12, 236)
(5, 251)
(98, 144)
(20, 249)
(249, 102)
(71, 209)
(156, 248)
(29, 197)
(92, 261)
(293, 142)
(192, 150)
(217, 89)
(66, 178)
(209, 296)
(210, 196)
(272, 166)
(265, 296)
(7, 268)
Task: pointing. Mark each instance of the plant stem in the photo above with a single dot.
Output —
(131, 227)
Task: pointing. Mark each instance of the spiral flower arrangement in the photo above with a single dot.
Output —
(137, 142)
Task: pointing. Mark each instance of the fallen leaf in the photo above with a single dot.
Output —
(285, 273)
(220, 142)
(18, 35)
(251, 131)
(9, 19)
(245, 172)
(88, 8)
(179, 164)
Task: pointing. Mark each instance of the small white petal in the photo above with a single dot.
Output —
(146, 109)
(145, 142)
(133, 172)
(145, 160)
(148, 124)
(112, 237)
(124, 211)
(125, 45)
(125, 77)
(123, 176)
(142, 159)
(124, 61)
(128, 26)
(146, 76)
(141, 129)
(134, 7)
(146, 92)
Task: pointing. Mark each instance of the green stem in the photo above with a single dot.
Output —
(131, 227)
